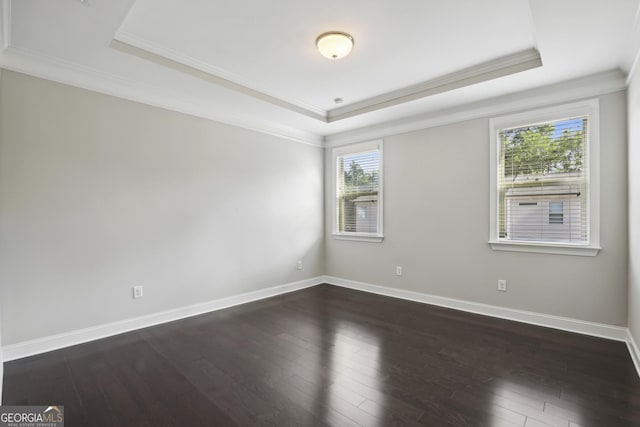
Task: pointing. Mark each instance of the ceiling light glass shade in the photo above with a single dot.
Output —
(334, 44)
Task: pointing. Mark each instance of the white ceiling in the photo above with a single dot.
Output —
(254, 63)
(271, 45)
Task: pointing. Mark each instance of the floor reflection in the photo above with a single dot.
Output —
(350, 380)
(526, 403)
(355, 356)
(329, 356)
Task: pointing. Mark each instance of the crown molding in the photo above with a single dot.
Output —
(39, 65)
(51, 68)
(479, 73)
(634, 51)
(489, 70)
(55, 69)
(568, 91)
(152, 52)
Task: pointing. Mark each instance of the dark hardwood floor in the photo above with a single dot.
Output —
(333, 356)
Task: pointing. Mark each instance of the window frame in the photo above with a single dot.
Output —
(351, 149)
(590, 108)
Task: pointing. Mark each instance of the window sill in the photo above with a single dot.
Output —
(359, 237)
(544, 248)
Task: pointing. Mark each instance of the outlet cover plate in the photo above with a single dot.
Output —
(137, 292)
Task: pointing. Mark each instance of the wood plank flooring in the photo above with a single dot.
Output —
(328, 356)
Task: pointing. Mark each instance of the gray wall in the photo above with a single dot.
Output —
(436, 225)
(634, 204)
(99, 194)
(1, 359)
(1, 355)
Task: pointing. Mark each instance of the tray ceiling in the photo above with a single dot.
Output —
(255, 64)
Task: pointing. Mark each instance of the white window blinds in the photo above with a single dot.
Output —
(358, 189)
(543, 182)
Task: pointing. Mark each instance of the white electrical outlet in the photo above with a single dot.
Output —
(299, 265)
(137, 292)
(398, 271)
(502, 285)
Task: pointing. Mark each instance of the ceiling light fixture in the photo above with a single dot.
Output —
(334, 44)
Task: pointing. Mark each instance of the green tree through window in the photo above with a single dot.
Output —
(357, 180)
(544, 149)
(357, 191)
(540, 165)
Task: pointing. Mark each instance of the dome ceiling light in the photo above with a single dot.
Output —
(334, 44)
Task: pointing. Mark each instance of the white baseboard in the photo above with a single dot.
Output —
(633, 351)
(54, 342)
(601, 330)
(617, 333)
(1, 374)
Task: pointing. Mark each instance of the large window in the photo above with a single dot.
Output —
(358, 191)
(544, 181)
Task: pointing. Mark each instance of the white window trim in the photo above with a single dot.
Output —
(349, 149)
(592, 109)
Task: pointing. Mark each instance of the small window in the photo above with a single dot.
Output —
(358, 192)
(556, 212)
(544, 183)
